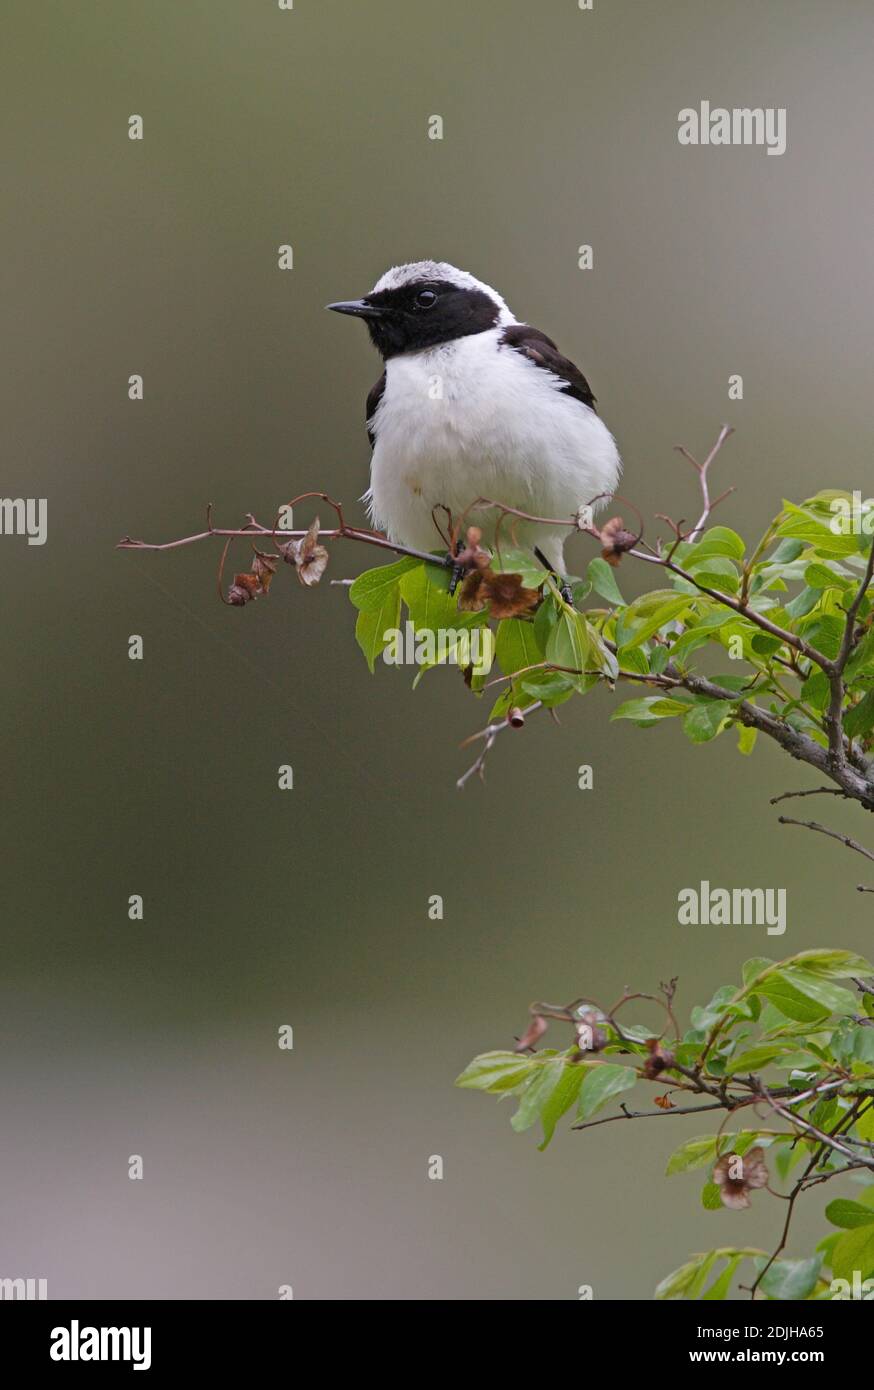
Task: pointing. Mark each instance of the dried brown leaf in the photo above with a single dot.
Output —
(505, 594)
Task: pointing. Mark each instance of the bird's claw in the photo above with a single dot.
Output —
(564, 587)
(455, 577)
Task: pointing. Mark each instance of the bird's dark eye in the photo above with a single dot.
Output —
(425, 298)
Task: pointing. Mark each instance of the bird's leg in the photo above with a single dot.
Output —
(563, 587)
(457, 570)
(455, 548)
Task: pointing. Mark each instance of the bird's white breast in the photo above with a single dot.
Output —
(473, 419)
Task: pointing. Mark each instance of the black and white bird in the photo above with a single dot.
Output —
(473, 404)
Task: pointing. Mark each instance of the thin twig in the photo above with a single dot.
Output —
(828, 1140)
(488, 735)
(348, 533)
(833, 834)
(844, 1123)
(651, 1114)
(813, 791)
(702, 470)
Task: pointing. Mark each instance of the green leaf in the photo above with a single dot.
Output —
(373, 623)
(679, 1280)
(568, 643)
(703, 721)
(790, 1279)
(634, 659)
(562, 1097)
(433, 609)
(371, 589)
(788, 1158)
(658, 659)
(649, 709)
(816, 691)
(824, 631)
(790, 1001)
(602, 578)
(849, 1214)
(746, 739)
(754, 967)
(753, 1059)
(804, 525)
(863, 656)
(800, 606)
(603, 1081)
(497, 1071)
(834, 965)
(827, 1245)
(689, 1279)
(647, 614)
(721, 1286)
(843, 1040)
(701, 634)
(710, 1197)
(424, 591)
(696, 1153)
(706, 1017)
(830, 996)
(545, 619)
(716, 572)
(786, 552)
(721, 540)
(550, 687)
(819, 576)
(537, 1093)
(763, 645)
(517, 646)
(859, 720)
(854, 1251)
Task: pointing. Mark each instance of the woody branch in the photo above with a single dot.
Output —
(839, 763)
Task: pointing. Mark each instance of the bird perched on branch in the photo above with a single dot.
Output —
(474, 404)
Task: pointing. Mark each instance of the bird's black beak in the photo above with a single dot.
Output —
(359, 307)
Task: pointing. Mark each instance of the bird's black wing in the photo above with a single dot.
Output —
(543, 353)
(374, 396)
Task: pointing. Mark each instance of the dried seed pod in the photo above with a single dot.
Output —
(239, 594)
(736, 1177)
(616, 540)
(308, 557)
(659, 1059)
(264, 568)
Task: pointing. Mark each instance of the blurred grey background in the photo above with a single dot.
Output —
(310, 908)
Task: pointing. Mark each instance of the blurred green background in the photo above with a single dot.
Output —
(310, 907)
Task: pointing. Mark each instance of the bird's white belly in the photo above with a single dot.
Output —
(469, 420)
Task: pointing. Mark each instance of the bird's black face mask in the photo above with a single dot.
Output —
(422, 315)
